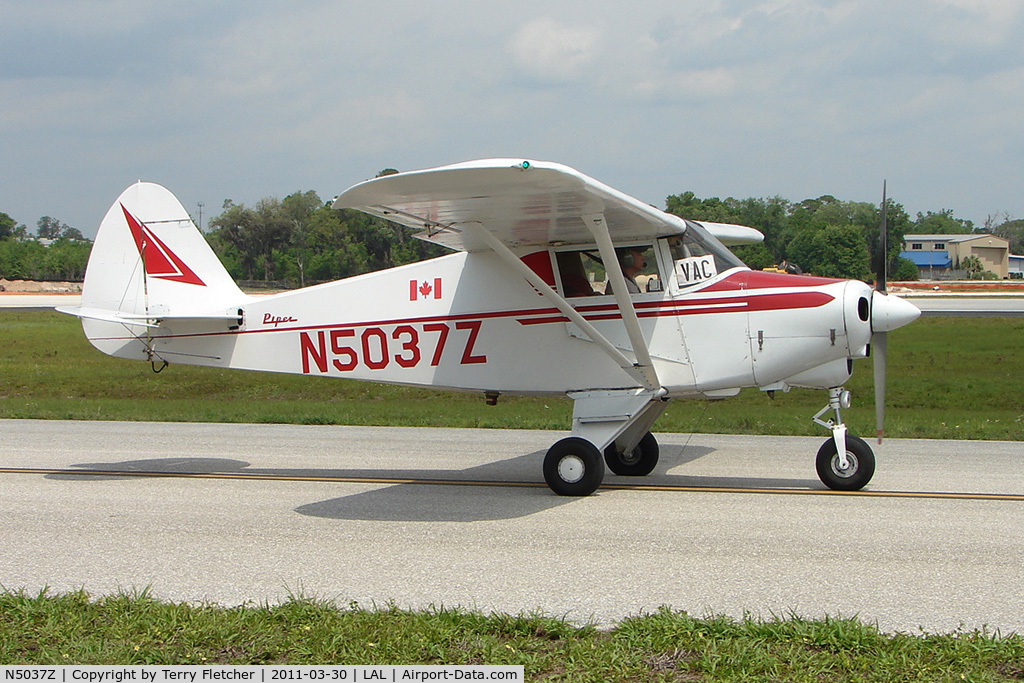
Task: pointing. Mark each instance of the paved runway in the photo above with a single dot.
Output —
(346, 513)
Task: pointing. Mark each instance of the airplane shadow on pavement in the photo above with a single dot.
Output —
(505, 489)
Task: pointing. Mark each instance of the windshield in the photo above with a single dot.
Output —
(698, 256)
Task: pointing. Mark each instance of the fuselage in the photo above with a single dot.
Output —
(464, 321)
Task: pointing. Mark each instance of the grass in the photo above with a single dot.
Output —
(948, 378)
(662, 646)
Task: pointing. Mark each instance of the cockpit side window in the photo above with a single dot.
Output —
(574, 278)
(582, 272)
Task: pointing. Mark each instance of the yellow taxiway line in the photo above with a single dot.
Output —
(522, 484)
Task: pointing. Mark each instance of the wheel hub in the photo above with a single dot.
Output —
(849, 470)
(571, 469)
(631, 457)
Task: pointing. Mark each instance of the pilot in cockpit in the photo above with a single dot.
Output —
(632, 261)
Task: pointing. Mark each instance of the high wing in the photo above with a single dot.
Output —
(521, 203)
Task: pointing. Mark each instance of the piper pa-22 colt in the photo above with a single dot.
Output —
(560, 285)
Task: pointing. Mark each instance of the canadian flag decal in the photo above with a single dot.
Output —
(159, 260)
(424, 290)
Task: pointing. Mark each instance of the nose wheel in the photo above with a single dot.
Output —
(851, 473)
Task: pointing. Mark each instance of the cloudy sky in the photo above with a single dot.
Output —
(229, 99)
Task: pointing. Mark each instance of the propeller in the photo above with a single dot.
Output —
(887, 313)
(879, 339)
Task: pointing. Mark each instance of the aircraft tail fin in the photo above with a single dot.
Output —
(150, 264)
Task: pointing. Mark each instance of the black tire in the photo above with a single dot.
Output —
(853, 478)
(573, 467)
(638, 462)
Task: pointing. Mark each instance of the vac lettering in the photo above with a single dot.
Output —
(695, 269)
(375, 348)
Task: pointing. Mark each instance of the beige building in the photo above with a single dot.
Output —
(940, 256)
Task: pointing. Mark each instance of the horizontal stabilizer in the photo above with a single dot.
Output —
(152, 320)
(97, 314)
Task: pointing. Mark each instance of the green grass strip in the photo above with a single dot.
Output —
(664, 646)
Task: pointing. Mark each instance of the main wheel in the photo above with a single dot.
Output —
(638, 462)
(573, 467)
(860, 460)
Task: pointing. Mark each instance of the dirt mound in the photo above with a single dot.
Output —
(41, 287)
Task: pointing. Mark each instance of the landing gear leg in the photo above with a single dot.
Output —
(844, 462)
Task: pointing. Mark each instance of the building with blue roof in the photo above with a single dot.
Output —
(939, 256)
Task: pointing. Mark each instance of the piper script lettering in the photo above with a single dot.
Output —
(275, 320)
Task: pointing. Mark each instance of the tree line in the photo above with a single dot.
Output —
(300, 240)
(56, 251)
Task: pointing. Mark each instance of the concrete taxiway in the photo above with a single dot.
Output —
(421, 517)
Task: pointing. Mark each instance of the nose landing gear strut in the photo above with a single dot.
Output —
(844, 462)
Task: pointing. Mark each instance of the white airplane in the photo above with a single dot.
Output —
(560, 285)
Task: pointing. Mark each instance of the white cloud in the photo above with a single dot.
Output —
(552, 52)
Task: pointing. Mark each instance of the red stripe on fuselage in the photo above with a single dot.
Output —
(702, 306)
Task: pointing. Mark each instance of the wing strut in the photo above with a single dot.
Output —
(635, 370)
(599, 228)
